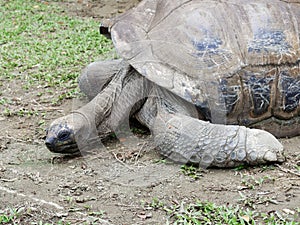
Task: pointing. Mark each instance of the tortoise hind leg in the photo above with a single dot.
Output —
(96, 76)
(183, 138)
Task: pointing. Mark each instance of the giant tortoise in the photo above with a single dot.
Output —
(212, 80)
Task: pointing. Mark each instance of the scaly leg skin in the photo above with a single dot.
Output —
(183, 139)
(93, 79)
(97, 76)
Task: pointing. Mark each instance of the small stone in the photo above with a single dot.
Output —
(144, 216)
(288, 211)
(246, 218)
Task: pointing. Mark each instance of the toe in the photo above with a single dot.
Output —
(263, 147)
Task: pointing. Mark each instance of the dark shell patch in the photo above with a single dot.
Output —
(210, 51)
(260, 91)
(229, 95)
(208, 44)
(268, 41)
(290, 88)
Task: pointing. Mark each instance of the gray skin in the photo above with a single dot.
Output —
(183, 77)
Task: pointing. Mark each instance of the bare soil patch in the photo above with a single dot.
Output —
(118, 184)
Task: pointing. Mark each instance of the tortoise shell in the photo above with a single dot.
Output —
(236, 61)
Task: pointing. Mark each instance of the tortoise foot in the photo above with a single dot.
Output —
(263, 147)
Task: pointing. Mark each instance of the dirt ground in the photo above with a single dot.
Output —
(121, 183)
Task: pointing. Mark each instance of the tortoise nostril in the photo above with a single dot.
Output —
(49, 144)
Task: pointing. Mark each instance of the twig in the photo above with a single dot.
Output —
(139, 153)
(8, 180)
(127, 206)
(124, 164)
(287, 170)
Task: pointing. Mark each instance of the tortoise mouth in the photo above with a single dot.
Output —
(71, 148)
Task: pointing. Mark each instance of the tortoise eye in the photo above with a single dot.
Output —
(63, 135)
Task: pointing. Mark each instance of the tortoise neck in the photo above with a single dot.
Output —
(122, 97)
(99, 108)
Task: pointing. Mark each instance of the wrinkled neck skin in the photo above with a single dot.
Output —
(113, 106)
(100, 107)
(96, 112)
(86, 130)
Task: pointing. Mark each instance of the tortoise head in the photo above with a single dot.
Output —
(66, 134)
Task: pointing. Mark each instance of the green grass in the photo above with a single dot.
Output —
(180, 213)
(29, 215)
(210, 213)
(191, 171)
(5, 219)
(9, 216)
(40, 43)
